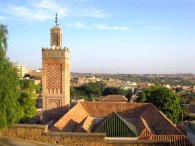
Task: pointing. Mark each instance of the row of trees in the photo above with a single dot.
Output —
(92, 91)
(16, 97)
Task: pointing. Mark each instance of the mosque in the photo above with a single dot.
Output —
(118, 120)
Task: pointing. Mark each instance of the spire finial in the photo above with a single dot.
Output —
(56, 19)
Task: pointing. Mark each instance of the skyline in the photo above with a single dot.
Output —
(135, 36)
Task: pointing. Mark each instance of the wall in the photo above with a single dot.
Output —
(40, 133)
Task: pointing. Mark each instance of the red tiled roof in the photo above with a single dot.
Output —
(102, 109)
(84, 115)
(113, 98)
(158, 123)
(71, 119)
(85, 125)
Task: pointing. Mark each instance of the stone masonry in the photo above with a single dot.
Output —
(55, 77)
(40, 133)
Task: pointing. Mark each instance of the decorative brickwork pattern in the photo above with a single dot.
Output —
(53, 76)
(55, 52)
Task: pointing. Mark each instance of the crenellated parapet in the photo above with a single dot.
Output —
(55, 52)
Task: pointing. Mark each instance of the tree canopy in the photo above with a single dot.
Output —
(91, 91)
(164, 99)
(3, 41)
(9, 83)
(15, 102)
(27, 100)
(38, 88)
(87, 91)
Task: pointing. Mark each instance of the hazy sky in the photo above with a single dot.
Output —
(113, 36)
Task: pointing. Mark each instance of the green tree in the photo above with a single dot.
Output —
(10, 110)
(38, 88)
(164, 99)
(93, 89)
(87, 91)
(72, 92)
(111, 91)
(141, 97)
(27, 100)
(117, 91)
(3, 41)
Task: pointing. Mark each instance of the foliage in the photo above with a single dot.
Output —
(111, 91)
(38, 88)
(26, 100)
(117, 91)
(31, 76)
(9, 94)
(187, 97)
(27, 85)
(3, 41)
(164, 99)
(87, 91)
(76, 93)
(92, 91)
(15, 97)
(129, 94)
(9, 84)
(141, 96)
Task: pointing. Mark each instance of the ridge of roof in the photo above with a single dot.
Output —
(87, 124)
(79, 127)
(146, 125)
(97, 125)
(99, 102)
(84, 125)
(124, 109)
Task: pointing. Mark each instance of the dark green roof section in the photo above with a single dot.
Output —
(116, 126)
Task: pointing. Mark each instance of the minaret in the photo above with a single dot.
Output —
(56, 34)
(55, 76)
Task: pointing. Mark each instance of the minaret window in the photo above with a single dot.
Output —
(56, 35)
(55, 39)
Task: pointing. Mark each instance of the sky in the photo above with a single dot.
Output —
(105, 36)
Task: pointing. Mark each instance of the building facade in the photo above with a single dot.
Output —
(21, 71)
(55, 77)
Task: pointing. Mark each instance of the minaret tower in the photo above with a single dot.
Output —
(55, 76)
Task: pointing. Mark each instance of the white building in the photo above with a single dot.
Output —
(20, 70)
